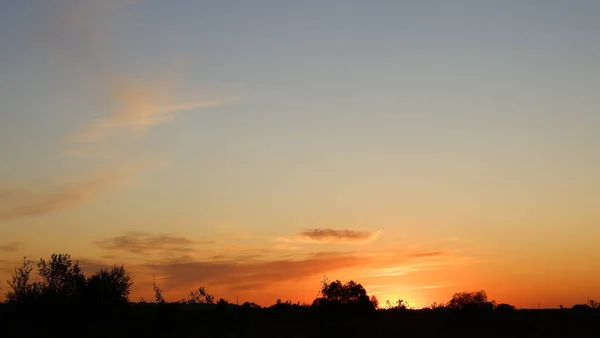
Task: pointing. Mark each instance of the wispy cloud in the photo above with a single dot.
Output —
(22, 202)
(427, 286)
(230, 276)
(328, 235)
(138, 105)
(10, 247)
(404, 269)
(254, 274)
(90, 266)
(427, 254)
(145, 243)
(252, 271)
(79, 33)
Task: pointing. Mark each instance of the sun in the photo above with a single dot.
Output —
(408, 299)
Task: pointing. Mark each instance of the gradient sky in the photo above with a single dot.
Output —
(420, 148)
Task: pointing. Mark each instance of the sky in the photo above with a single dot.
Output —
(420, 148)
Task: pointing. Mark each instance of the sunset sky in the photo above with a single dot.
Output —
(420, 148)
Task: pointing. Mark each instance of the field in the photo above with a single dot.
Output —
(154, 320)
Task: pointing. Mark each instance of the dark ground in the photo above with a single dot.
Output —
(165, 321)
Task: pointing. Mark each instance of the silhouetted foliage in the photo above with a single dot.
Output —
(400, 304)
(109, 287)
(158, 297)
(470, 301)
(22, 291)
(338, 311)
(505, 307)
(63, 283)
(375, 302)
(591, 304)
(199, 296)
(349, 295)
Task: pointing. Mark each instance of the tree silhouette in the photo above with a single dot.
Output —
(22, 291)
(505, 307)
(158, 297)
(199, 296)
(375, 302)
(62, 280)
(109, 287)
(63, 283)
(349, 294)
(477, 300)
(400, 304)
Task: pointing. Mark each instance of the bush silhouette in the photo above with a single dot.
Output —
(108, 287)
(340, 310)
(199, 296)
(505, 307)
(477, 300)
(338, 295)
(400, 304)
(62, 283)
(22, 291)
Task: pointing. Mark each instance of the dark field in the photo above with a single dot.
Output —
(153, 320)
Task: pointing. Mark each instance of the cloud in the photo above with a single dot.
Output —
(256, 278)
(10, 247)
(23, 202)
(144, 243)
(427, 286)
(90, 266)
(250, 275)
(332, 235)
(261, 273)
(427, 254)
(84, 35)
(404, 269)
(138, 105)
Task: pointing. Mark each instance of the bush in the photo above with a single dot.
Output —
(64, 284)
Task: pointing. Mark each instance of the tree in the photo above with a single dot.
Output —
(21, 290)
(437, 306)
(200, 296)
(62, 282)
(62, 279)
(470, 301)
(349, 294)
(158, 297)
(400, 304)
(250, 306)
(505, 307)
(375, 302)
(109, 287)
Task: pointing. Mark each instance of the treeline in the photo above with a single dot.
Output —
(62, 301)
(62, 282)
